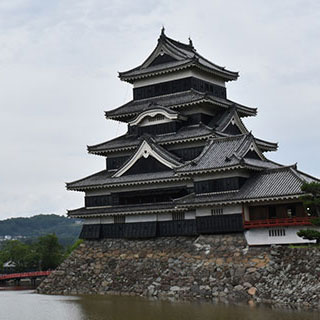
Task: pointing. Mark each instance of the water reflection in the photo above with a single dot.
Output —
(135, 308)
(26, 305)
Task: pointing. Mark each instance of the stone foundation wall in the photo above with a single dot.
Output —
(216, 267)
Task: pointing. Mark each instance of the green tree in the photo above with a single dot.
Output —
(75, 245)
(311, 201)
(311, 198)
(50, 252)
(17, 252)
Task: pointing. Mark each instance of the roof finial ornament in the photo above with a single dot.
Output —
(190, 42)
(162, 35)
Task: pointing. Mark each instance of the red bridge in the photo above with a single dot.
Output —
(24, 275)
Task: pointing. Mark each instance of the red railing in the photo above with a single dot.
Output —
(280, 222)
(24, 275)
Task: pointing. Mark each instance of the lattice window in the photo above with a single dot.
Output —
(119, 219)
(217, 211)
(178, 216)
(277, 232)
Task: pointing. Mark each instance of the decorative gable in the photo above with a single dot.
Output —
(253, 152)
(145, 151)
(155, 116)
(232, 124)
(162, 58)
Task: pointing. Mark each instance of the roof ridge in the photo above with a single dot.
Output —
(283, 168)
(293, 170)
(176, 43)
(201, 155)
(86, 177)
(168, 153)
(189, 47)
(233, 137)
(308, 175)
(225, 118)
(100, 144)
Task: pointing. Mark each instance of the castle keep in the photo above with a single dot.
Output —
(187, 164)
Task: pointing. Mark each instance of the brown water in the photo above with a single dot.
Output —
(26, 305)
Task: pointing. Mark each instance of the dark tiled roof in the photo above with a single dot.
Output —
(225, 152)
(122, 142)
(270, 183)
(184, 56)
(124, 209)
(104, 178)
(261, 163)
(217, 154)
(165, 154)
(175, 100)
(266, 145)
(131, 141)
(224, 119)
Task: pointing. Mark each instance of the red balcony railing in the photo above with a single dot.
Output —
(277, 222)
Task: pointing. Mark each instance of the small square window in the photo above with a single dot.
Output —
(119, 219)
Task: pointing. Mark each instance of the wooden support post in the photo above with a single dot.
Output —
(33, 282)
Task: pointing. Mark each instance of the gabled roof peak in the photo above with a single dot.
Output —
(172, 56)
(164, 38)
(148, 148)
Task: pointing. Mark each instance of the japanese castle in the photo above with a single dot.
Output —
(187, 164)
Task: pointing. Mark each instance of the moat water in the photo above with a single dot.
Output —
(27, 305)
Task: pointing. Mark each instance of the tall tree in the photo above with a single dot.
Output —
(16, 252)
(50, 251)
(311, 199)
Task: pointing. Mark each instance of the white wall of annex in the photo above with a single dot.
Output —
(260, 236)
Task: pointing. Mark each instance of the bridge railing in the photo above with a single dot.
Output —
(24, 275)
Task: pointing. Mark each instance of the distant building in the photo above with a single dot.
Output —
(187, 164)
(9, 266)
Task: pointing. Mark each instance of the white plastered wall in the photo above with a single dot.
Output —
(261, 236)
(102, 220)
(164, 216)
(141, 218)
(189, 215)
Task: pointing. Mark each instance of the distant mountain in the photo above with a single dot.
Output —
(67, 230)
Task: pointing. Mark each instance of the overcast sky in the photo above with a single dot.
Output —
(58, 74)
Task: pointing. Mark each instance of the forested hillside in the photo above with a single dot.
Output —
(67, 230)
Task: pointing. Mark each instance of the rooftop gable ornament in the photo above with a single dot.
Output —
(145, 150)
(156, 110)
(182, 56)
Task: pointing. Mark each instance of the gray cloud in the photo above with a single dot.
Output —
(58, 73)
